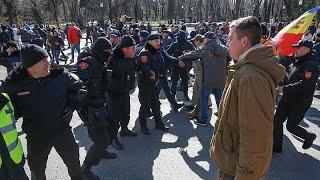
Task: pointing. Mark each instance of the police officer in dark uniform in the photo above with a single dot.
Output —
(149, 86)
(298, 88)
(143, 35)
(95, 113)
(45, 95)
(177, 49)
(165, 58)
(122, 81)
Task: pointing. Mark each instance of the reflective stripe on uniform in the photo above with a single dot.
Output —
(7, 128)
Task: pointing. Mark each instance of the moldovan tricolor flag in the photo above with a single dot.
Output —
(292, 33)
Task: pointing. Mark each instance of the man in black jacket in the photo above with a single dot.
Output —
(45, 97)
(298, 88)
(95, 112)
(122, 81)
(180, 47)
(151, 67)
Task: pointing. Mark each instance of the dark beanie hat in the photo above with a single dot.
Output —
(31, 54)
(153, 37)
(127, 41)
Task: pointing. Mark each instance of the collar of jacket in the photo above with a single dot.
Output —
(151, 49)
(21, 73)
(242, 57)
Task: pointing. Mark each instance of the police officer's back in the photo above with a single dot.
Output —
(95, 113)
(298, 89)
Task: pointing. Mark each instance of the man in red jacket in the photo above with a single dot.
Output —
(74, 37)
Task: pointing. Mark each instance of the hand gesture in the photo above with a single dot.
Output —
(153, 75)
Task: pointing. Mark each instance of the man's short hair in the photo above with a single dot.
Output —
(248, 26)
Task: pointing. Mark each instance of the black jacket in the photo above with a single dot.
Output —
(123, 73)
(300, 80)
(42, 103)
(93, 73)
(151, 59)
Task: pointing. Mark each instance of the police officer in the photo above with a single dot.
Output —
(95, 113)
(166, 59)
(43, 95)
(11, 152)
(180, 47)
(317, 45)
(143, 40)
(114, 37)
(149, 87)
(123, 70)
(298, 88)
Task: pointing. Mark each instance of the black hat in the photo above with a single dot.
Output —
(115, 32)
(165, 31)
(127, 41)
(305, 43)
(31, 54)
(210, 35)
(181, 34)
(153, 37)
(144, 34)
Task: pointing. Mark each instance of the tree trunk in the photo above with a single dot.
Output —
(11, 14)
(55, 12)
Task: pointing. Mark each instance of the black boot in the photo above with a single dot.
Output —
(109, 155)
(143, 125)
(160, 126)
(309, 141)
(87, 174)
(177, 106)
(117, 144)
(127, 132)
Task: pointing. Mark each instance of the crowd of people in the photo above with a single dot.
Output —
(236, 62)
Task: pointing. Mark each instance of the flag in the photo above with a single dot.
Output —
(292, 33)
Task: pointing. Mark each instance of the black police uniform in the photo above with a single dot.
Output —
(122, 81)
(176, 50)
(165, 59)
(149, 89)
(46, 108)
(299, 86)
(96, 112)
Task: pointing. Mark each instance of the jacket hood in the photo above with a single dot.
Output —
(263, 57)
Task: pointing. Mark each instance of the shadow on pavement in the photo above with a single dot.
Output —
(297, 165)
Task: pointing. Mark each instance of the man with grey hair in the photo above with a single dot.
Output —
(242, 143)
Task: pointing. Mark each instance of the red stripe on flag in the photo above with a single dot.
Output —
(285, 41)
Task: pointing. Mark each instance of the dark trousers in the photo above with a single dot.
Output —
(19, 173)
(149, 98)
(177, 73)
(101, 140)
(120, 109)
(65, 145)
(166, 88)
(295, 113)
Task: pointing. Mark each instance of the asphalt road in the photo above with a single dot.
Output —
(182, 153)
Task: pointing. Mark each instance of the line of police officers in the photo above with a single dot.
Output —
(46, 95)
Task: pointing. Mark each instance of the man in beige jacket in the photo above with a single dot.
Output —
(242, 144)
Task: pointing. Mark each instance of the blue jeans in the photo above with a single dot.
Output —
(74, 47)
(55, 54)
(205, 93)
